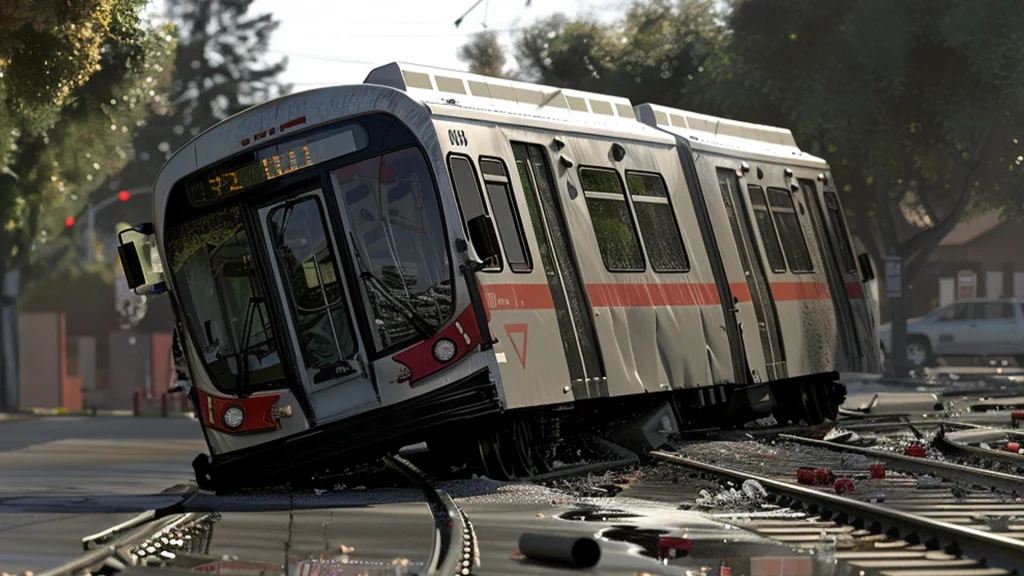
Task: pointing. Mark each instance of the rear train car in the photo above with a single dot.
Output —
(483, 264)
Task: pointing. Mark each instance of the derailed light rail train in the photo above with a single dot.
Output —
(489, 265)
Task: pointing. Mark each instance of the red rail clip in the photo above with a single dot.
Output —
(1013, 447)
(814, 476)
(843, 486)
(915, 450)
(877, 471)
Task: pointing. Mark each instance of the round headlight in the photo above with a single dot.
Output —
(444, 350)
(233, 416)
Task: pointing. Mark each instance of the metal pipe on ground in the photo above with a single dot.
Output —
(575, 552)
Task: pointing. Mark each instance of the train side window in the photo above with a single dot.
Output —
(617, 237)
(835, 214)
(510, 225)
(657, 222)
(468, 194)
(792, 235)
(766, 226)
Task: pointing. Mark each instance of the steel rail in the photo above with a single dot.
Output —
(991, 549)
(113, 553)
(1009, 483)
(455, 550)
(954, 442)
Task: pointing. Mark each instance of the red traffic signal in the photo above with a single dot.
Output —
(69, 221)
(123, 195)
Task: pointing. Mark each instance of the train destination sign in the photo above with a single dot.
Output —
(272, 162)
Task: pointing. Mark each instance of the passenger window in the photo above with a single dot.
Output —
(616, 233)
(309, 270)
(467, 187)
(766, 228)
(510, 225)
(835, 214)
(468, 195)
(657, 222)
(997, 311)
(399, 244)
(792, 235)
(955, 313)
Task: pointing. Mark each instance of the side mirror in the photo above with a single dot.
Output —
(484, 239)
(867, 272)
(132, 265)
(143, 270)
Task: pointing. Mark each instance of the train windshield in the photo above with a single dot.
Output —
(213, 268)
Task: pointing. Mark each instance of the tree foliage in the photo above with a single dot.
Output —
(219, 70)
(484, 54)
(916, 104)
(64, 130)
(662, 51)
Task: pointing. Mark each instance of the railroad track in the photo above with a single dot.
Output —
(896, 525)
(178, 538)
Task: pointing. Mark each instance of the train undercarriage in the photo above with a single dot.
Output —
(520, 444)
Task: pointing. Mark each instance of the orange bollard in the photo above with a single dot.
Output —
(163, 404)
(137, 402)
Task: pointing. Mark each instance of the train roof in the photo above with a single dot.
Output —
(474, 96)
(715, 134)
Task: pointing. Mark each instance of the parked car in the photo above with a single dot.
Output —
(974, 327)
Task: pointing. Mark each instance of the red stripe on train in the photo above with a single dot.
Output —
(538, 296)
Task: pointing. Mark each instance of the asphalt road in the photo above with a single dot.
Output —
(64, 478)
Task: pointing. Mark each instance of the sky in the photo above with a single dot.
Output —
(340, 41)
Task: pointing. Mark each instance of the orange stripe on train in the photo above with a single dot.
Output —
(538, 296)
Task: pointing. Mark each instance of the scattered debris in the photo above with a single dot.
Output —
(875, 498)
(915, 450)
(347, 549)
(843, 486)
(754, 490)
(814, 476)
(927, 481)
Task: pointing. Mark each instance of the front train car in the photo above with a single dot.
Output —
(319, 282)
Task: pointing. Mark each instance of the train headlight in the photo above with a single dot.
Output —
(233, 416)
(444, 350)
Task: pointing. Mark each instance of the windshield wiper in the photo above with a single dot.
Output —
(423, 326)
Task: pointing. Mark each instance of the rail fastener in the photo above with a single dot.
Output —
(1009, 483)
(994, 550)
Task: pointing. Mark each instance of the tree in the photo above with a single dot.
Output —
(218, 71)
(916, 104)
(484, 54)
(73, 76)
(663, 50)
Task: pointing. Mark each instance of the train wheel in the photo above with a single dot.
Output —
(826, 405)
(788, 408)
(492, 456)
(526, 458)
(809, 398)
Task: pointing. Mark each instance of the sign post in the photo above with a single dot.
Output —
(893, 277)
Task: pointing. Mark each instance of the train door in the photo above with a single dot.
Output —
(575, 320)
(302, 247)
(832, 258)
(768, 329)
(857, 299)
